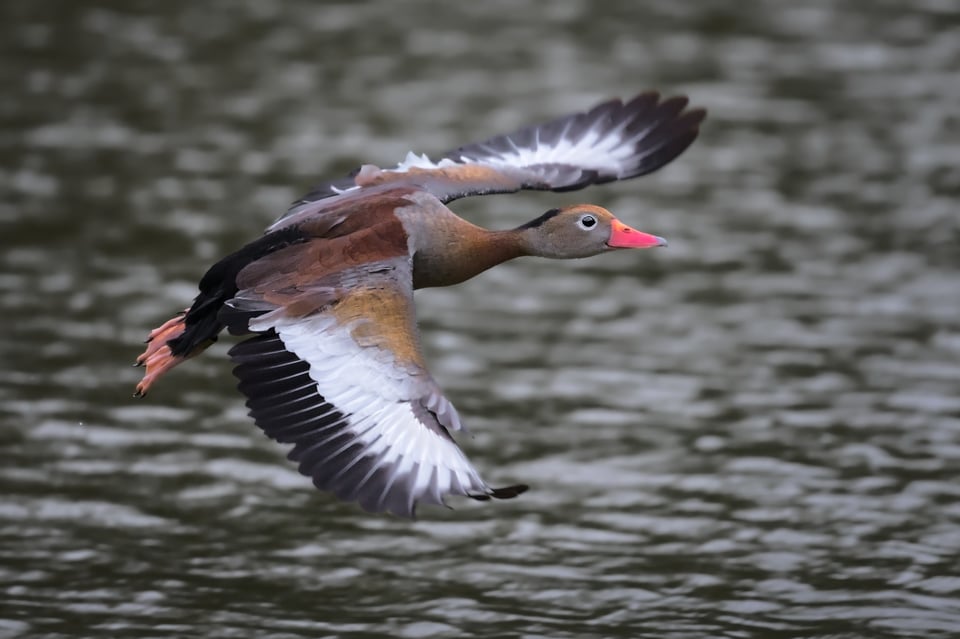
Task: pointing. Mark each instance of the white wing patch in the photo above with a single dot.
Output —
(365, 429)
(592, 152)
(615, 140)
(414, 161)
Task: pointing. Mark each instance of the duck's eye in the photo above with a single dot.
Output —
(587, 222)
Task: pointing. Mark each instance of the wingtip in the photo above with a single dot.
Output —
(509, 492)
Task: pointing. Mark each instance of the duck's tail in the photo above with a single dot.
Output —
(195, 329)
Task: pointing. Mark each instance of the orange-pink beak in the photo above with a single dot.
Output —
(622, 236)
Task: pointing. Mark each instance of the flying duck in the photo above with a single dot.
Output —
(333, 363)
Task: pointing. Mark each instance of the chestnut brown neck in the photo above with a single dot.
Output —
(461, 250)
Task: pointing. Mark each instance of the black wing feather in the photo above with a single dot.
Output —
(284, 402)
(656, 131)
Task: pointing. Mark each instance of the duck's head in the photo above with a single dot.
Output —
(582, 230)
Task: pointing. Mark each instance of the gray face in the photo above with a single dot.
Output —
(578, 231)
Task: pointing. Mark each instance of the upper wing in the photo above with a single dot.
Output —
(336, 370)
(615, 140)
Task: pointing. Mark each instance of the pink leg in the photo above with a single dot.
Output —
(157, 357)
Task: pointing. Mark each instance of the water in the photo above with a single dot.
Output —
(754, 433)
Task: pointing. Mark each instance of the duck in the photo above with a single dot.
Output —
(332, 363)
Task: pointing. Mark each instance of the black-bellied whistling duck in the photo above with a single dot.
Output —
(334, 366)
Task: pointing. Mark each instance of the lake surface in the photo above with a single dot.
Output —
(753, 433)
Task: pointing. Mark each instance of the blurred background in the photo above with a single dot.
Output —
(755, 432)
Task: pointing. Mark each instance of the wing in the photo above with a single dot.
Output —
(615, 140)
(336, 370)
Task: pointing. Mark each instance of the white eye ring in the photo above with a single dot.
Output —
(587, 222)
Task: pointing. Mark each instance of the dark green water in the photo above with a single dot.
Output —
(754, 433)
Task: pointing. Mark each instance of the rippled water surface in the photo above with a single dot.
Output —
(754, 433)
